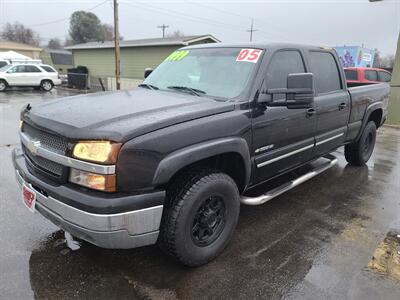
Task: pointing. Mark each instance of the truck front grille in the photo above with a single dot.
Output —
(51, 142)
(44, 164)
(47, 140)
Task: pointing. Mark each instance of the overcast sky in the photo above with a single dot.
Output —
(319, 22)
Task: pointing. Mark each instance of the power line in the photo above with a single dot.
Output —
(163, 27)
(68, 18)
(175, 13)
(269, 25)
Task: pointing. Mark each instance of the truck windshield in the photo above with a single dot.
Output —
(215, 72)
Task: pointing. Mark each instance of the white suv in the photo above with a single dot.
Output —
(28, 74)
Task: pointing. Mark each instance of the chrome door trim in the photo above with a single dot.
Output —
(284, 156)
(329, 139)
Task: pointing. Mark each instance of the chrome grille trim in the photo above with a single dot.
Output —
(49, 141)
(44, 164)
(64, 160)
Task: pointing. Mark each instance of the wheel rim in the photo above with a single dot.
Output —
(2, 86)
(367, 143)
(46, 85)
(209, 221)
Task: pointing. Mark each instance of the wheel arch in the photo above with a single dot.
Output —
(230, 155)
(374, 112)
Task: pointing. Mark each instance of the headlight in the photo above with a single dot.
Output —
(97, 151)
(105, 183)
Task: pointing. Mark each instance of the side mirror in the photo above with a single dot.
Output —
(299, 92)
(147, 72)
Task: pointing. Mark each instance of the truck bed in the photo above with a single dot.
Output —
(363, 96)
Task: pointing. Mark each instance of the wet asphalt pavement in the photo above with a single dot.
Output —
(314, 242)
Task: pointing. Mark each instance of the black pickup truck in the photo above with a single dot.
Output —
(171, 161)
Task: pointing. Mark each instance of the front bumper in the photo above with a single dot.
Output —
(123, 230)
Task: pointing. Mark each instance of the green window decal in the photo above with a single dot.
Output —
(177, 55)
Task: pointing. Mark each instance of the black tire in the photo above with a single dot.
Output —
(3, 85)
(46, 85)
(200, 216)
(358, 153)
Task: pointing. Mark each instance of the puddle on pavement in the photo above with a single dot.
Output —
(386, 258)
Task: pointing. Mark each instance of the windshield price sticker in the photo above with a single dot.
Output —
(177, 55)
(249, 55)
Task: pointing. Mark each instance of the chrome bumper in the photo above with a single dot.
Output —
(116, 231)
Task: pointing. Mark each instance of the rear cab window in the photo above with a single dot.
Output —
(351, 74)
(326, 72)
(371, 75)
(384, 76)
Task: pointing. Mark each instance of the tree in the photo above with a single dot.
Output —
(54, 44)
(175, 34)
(108, 32)
(388, 62)
(17, 32)
(383, 61)
(85, 27)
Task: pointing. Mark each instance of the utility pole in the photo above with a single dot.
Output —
(251, 30)
(163, 27)
(116, 44)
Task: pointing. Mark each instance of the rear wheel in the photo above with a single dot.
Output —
(200, 216)
(358, 153)
(46, 85)
(3, 85)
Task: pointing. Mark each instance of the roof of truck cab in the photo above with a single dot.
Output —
(265, 46)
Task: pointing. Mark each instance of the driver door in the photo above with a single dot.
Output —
(283, 138)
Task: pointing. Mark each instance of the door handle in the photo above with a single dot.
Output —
(342, 106)
(311, 112)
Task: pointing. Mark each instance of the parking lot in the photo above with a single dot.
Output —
(314, 242)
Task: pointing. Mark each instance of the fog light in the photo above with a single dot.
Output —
(94, 181)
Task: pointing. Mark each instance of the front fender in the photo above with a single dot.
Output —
(179, 159)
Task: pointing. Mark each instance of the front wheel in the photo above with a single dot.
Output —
(46, 85)
(200, 217)
(358, 153)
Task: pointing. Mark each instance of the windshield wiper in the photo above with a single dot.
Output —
(193, 91)
(148, 86)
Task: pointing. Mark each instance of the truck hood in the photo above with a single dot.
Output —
(120, 116)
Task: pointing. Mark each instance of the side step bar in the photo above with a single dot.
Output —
(331, 161)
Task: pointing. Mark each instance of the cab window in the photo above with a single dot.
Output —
(384, 76)
(282, 64)
(351, 74)
(371, 75)
(326, 72)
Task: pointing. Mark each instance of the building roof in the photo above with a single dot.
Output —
(12, 55)
(172, 41)
(17, 46)
(58, 51)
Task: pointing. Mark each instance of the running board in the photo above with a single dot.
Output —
(332, 160)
